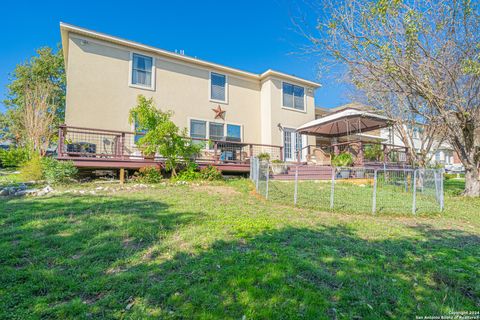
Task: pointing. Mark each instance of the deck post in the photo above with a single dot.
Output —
(360, 153)
(215, 152)
(61, 141)
(122, 145)
(251, 150)
(122, 175)
(385, 154)
(281, 153)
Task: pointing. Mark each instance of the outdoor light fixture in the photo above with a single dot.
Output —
(279, 125)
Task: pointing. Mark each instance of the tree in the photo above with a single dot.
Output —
(46, 67)
(161, 135)
(425, 54)
(37, 116)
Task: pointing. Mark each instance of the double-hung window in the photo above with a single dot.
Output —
(198, 130)
(218, 87)
(293, 96)
(142, 71)
(216, 131)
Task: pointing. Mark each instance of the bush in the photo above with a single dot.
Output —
(264, 156)
(32, 169)
(148, 175)
(211, 173)
(55, 171)
(344, 159)
(190, 173)
(14, 157)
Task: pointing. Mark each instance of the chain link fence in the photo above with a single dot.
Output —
(355, 190)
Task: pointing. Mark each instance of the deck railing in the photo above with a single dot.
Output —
(372, 153)
(78, 142)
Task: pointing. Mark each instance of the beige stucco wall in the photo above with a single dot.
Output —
(99, 96)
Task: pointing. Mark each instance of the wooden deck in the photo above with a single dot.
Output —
(109, 149)
(105, 163)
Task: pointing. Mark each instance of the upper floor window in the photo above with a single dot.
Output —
(142, 71)
(293, 96)
(218, 87)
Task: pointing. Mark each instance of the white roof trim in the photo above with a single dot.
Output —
(66, 28)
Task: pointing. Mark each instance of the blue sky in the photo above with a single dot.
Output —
(249, 35)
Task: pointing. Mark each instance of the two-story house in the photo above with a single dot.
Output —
(105, 74)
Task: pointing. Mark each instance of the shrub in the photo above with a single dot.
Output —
(162, 135)
(344, 159)
(190, 173)
(373, 152)
(55, 171)
(264, 156)
(32, 169)
(14, 157)
(211, 173)
(148, 175)
(278, 161)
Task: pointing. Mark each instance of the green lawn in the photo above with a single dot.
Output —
(218, 251)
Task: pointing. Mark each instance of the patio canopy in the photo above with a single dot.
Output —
(345, 122)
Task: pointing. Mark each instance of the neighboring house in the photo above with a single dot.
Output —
(105, 74)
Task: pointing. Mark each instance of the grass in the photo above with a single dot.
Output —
(216, 251)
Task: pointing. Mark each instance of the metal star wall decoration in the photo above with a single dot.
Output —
(219, 113)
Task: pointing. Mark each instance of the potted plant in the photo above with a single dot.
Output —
(279, 167)
(264, 156)
(342, 160)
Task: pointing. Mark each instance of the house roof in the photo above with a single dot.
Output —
(345, 122)
(65, 29)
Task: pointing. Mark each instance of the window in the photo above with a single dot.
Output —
(198, 130)
(142, 70)
(293, 96)
(233, 133)
(138, 133)
(216, 131)
(218, 87)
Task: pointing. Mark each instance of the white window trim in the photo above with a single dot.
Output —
(210, 87)
(304, 143)
(130, 73)
(304, 98)
(207, 131)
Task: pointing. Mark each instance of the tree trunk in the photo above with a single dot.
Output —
(472, 182)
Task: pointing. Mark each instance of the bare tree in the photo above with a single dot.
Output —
(423, 134)
(424, 53)
(38, 117)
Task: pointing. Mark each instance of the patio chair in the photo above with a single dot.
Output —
(320, 157)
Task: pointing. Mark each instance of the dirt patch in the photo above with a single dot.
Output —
(216, 190)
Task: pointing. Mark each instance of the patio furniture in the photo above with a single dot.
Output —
(320, 157)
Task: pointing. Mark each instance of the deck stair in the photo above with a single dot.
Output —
(305, 172)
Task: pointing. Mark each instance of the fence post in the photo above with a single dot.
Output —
(332, 189)
(257, 174)
(442, 203)
(374, 198)
(268, 175)
(414, 202)
(296, 187)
